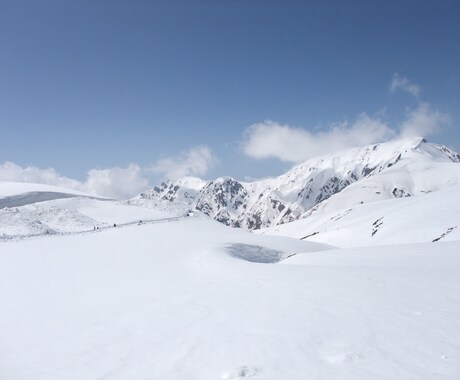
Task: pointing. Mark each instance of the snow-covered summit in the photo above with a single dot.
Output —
(307, 186)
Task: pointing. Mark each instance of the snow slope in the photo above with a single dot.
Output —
(15, 194)
(178, 300)
(428, 217)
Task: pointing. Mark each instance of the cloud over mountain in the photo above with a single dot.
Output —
(195, 162)
(270, 139)
(292, 144)
(424, 121)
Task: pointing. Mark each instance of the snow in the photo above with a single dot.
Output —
(422, 218)
(169, 301)
(14, 188)
(75, 214)
(408, 177)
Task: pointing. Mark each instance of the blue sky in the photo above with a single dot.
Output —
(103, 91)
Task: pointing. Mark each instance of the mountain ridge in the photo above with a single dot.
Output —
(311, 185)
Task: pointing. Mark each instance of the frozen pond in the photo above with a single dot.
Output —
(256, 253)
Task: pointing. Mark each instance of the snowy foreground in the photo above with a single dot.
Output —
(193, 299)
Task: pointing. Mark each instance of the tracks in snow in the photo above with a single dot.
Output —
(95, 229)
(448, 231)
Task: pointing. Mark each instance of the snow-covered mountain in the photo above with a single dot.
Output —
(377, 172)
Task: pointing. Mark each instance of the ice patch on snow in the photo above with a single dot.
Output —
(256, 253)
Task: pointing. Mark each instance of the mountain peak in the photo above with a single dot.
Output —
(392, 169)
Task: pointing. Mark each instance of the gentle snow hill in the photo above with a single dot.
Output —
(13, 194)
(31, 209)
(372, 173)
(179, 300)
(15, 188)
(428, 217)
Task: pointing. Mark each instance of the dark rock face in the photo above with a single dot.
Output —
(331, 187)
(222, 198)
(400, 193)
(254, 221)
(455, 157)
(367, 171)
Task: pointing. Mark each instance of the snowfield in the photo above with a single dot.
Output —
(429, 217)
(193, 299)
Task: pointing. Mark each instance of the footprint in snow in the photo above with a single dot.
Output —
(345, 357)
(240, 373)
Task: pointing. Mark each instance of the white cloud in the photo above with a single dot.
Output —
(270, 139)
(403, 84)
(9, 171)
(424, 121)
(196, 162)
(115, 182)
(120, 183)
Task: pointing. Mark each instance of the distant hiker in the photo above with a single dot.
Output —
(114, 224)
